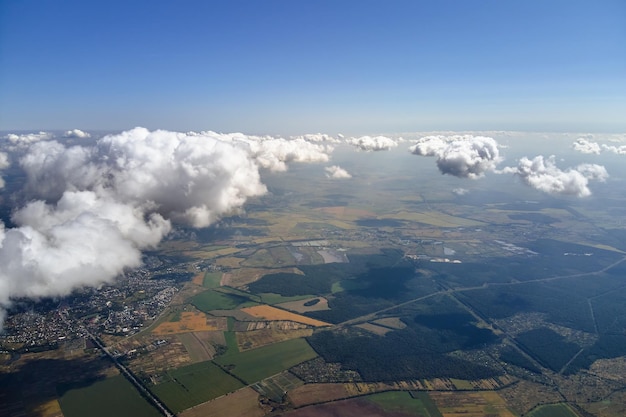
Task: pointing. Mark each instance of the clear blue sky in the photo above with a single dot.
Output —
(294, 66)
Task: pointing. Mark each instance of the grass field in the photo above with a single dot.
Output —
(271, 298)
(403, 402)
(194, 384)
(273, 313)
(553, 410)
(257, 364)
(212, 279)
(213, 300)
(113, 396)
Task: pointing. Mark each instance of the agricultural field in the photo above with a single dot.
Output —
(470, 404)
(241, 403)
(257, 364)
(210, 300)
(243, 276)
(403, 402)
(190, 322)
(356, 407)
(96, 400)
(553, 410)
(201, 345)
(272, 313)
(275, 387)
(317, 393)
(194, 384)
(262, 337)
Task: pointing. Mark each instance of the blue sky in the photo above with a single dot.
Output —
(288, 67)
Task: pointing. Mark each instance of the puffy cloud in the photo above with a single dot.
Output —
(464, 156)
(319, 137)
(94, 208)
(275, 153)
(620, 150)
(76, 133)
(543, 175)
(376, 143)
(337, 172)
(28, 137)
(585, 146)
(460, 191)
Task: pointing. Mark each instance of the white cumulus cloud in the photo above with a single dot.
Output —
(93, 209)
(585, 146)
(337, 172)
(375, 143)
(464, 156)
(620, 150)
(76, 133)
(542, 174)
(27, 138)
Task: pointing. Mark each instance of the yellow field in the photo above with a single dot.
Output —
(470, 404)
(273, 313)
(191, 322)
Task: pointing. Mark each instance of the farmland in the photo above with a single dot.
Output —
(256, 364)
(272, 313)
(190, 322)
(194, 384)
(95, 400)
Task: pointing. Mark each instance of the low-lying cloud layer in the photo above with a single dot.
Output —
(464, 156)
(542, 174)
(93, 209)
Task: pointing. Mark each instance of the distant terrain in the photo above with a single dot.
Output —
(421, 304)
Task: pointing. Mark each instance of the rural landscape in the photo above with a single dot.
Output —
(384, 297)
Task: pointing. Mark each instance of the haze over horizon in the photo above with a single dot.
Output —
(285, 68)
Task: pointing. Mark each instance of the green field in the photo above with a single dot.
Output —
(212, 279)
(271, 298)
(109, 397)
(213, 300)
(553, 410)
(194, 384)
(260, 363)
(403, 402)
